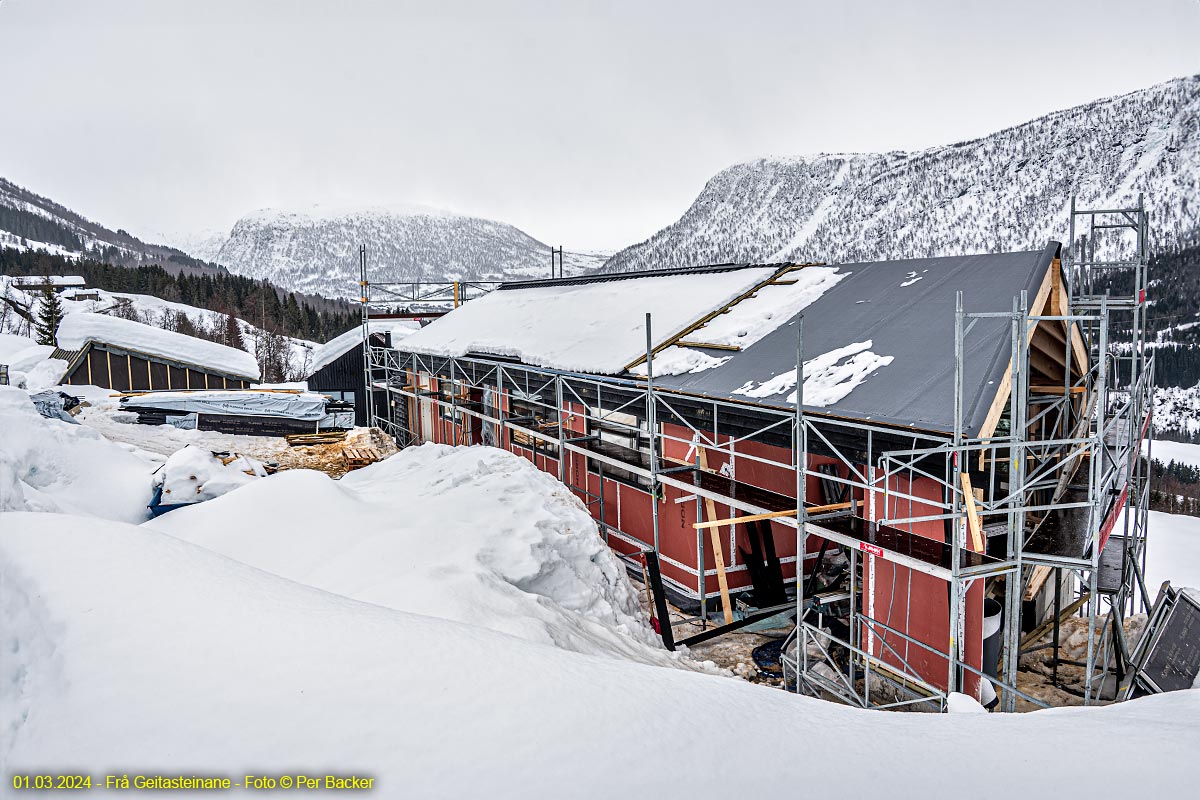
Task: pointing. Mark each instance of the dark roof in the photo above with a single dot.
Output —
(914, 324)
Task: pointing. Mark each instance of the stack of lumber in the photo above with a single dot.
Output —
(307, 439)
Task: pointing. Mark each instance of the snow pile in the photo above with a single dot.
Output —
(338, 346)
(194, 474)
(597, 327)
(473, 534)
(29, 363)
(49, 465)
(114, 634)
(77, 329)
(827, 378)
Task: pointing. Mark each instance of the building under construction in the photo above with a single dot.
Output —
(950, 447)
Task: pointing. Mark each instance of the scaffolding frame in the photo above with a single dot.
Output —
(1092, 422)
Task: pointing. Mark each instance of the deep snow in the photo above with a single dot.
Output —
(449, 622)
(129, 650)
(473, 534)
(48, 465)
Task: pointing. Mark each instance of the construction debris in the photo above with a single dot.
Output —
(340, 455)
(308, 439)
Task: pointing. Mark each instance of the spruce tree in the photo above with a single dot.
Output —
(50, 313)
(233, 333)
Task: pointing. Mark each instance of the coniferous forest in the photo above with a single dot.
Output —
(257, 302)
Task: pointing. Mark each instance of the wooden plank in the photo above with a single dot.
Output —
(1044, 628)
(996, 410)
(710, 509)
(978, 543)
(771, 515)
(1050, 389)
(733, 348)
(1037, 579)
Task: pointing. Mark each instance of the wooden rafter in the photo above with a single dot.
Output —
(709, 317)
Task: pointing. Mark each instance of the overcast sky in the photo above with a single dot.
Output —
(587, 124)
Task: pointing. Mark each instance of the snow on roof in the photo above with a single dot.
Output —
(78, 329)
(584, 325)
(53, 280)
(749, 320)
(335, 348)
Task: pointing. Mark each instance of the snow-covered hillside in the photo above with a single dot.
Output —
(316, 250)
(29, 221)
(143, 308)
(1009, 190)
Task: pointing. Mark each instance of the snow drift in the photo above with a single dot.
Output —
(474, 534)
(49, 465)
(233, 671)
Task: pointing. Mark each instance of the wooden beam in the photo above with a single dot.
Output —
(710, 508)
(771, 515)
(1055, 389)
(996, 410)
(978, 543)
(709, 345)
(1044, 628)
(1037, 579)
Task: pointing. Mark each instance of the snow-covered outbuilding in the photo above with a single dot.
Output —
(558, 372)
(120, 354)
(337, 366)
(57, 283)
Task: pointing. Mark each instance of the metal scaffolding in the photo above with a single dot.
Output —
(1036, 499)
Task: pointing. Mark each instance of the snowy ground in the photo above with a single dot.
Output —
(449, 623)
(1179, 452)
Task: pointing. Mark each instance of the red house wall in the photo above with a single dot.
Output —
(905, 599)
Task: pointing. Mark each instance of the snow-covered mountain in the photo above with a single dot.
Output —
(29, 221)
(1005, 191)
(316, 250)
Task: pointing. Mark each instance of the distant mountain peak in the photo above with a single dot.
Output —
(315, 249)
(322, 212)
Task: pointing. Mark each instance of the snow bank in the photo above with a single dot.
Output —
(194, 474)
(470, 534)
(48, 465)
(597, 327)
(77, 329)
(124, 649)
(21, 352)
(827, 378)
(1172, 550)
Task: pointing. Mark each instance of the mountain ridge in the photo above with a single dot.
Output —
(1008, 190)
